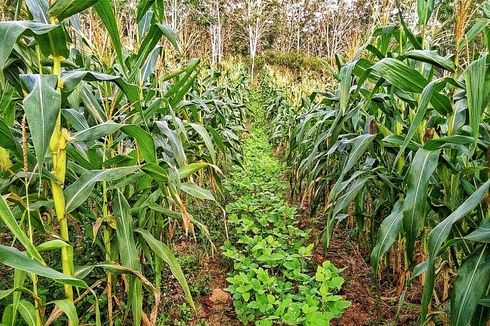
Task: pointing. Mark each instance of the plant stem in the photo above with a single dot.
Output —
(57, 146)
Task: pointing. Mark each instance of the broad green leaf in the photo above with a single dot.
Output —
(359, 147)
(424, 10)
(419, 116)
(206, 138)
(10, 221)
(62, 9)
(423, 165)
(400, 75)
(440, 233)
(128, 252)
(80, 190)
(38, 10)
(196, 191)
(106, 14)
(16, 259)
(446, 141)
(52, 245)
(143, 139)
(69, 309)
(431, 57)
(345, 84)
(151, 39)
(42, 107)
(28, 312)
(481, 234)
(164, 253)
(474, 77)
(189, 169)
(10, 32)
(470, 286)
(387, 234)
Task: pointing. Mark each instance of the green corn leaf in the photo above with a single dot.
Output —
(206, 138)
(476, 28)
(8, 141)
(16, 259)
(440, 233)
(143, 139)
(52, 245)
(481, 234)
(10, 31)
(343, 201)
(151, 39)
(446, 141)
(424, 10)
(62, 9)
(189, 169)
(96, 132)
(415, 42)
(69, 309)
(419, 116)
(164, 253)
(128, 252)
(431, 57)
(400, 75)
(345, 85)
(359, 147)
(387, 234)
(470, 286)
(196, 191)
(423, 165)
(80, 190)
(106, 14)
(42, 107)
(150, 65)
(54, 43)
(28, 312)
(38, 10)
(142, 8)
(475, 79)
(10, 221)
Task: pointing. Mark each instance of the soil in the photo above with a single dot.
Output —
(217, 307)
(359, 288)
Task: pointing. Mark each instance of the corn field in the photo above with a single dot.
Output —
(142, 186)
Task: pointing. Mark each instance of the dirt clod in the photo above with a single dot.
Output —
(219, 296)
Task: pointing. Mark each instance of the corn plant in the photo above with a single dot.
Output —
(108, 145)
(400, 146)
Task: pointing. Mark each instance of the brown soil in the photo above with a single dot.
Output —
(217, 307)
(359, 288)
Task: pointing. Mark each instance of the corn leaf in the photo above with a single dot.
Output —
(69, 309)
(423, 165)
(440, 233)
(14, 258)
(28, 312)
(80, 190)
(196, 191)
(400, 75)
(387, 234)
(62, 9)
(106, 14)
(475, 79)
(128, 252)
(10, 221)
(42, 107)
(470, 286)
(164, 253)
